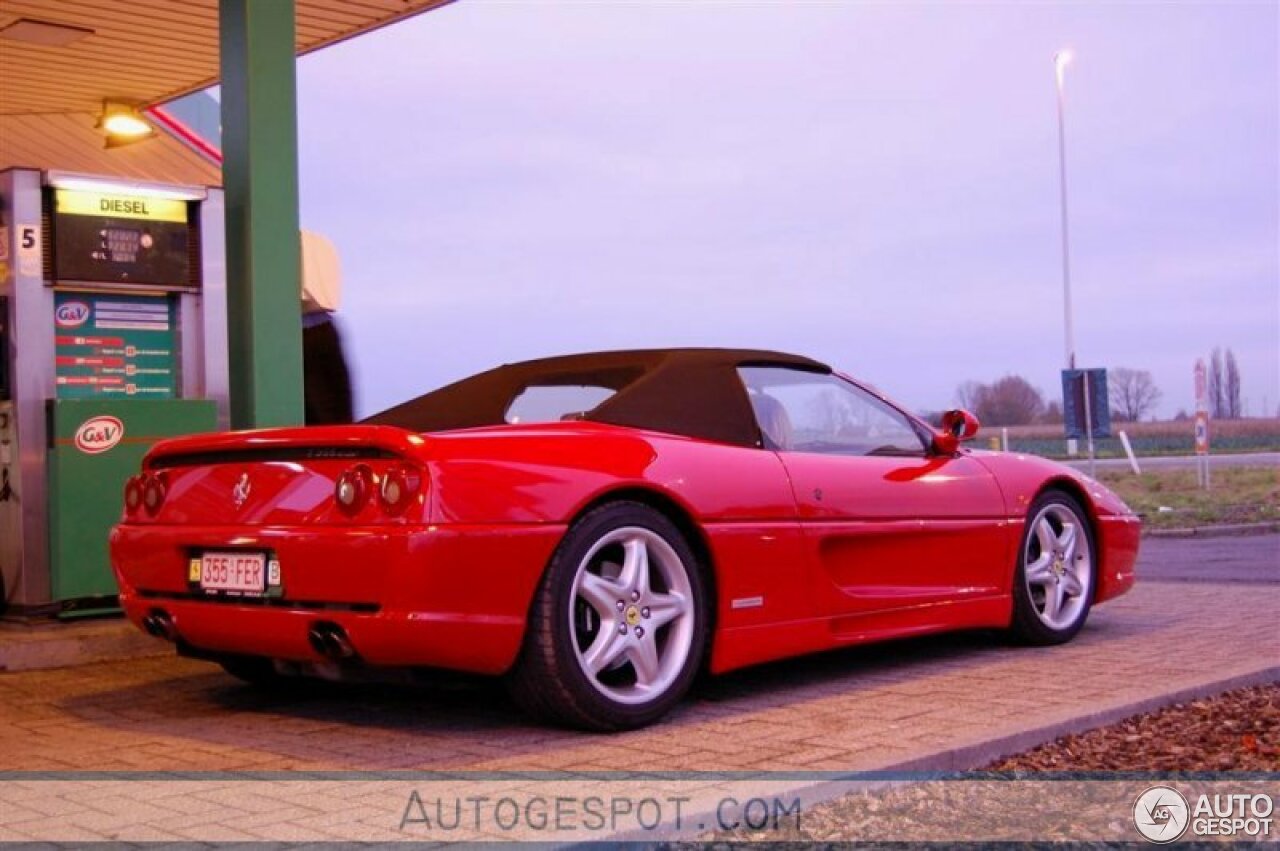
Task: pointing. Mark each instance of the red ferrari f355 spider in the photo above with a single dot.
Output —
(598, 528)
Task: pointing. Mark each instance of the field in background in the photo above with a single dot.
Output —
(1157, 438)
(1171, 499)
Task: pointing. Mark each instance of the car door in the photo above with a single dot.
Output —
(889, 524)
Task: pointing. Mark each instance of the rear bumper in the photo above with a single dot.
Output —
(1119, 537)
(441, 596)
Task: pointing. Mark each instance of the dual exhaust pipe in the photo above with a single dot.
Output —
(159, 623)
(327, 639)
(330, 641)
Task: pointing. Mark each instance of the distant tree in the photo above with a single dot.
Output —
(1010, 401)
(1052, 413)
(1181, 416)
(1231, 390)
(1134, 393)
(1216, 389)
(969, 393)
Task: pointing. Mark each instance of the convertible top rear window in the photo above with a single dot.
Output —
(545, 403)
(693, 392)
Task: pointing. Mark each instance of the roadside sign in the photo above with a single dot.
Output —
(1202, 433)
(1202, 403)
(1075, 384)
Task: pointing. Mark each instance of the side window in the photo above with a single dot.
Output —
(802, 411)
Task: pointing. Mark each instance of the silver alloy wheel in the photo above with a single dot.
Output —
(631, 618)
(1058, 566)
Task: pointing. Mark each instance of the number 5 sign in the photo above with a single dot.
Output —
(29, 260)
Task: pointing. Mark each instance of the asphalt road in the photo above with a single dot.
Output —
(1166, 462)
(1237, 558)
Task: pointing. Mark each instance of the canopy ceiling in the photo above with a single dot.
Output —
(60, 60)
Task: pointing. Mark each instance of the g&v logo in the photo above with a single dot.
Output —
(1161, 814)
(71, 314)
(99, 434)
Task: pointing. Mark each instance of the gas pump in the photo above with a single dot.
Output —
(113, 322)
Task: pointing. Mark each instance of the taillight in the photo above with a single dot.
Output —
(353, 489)
(133, 494)
(399, 487)
(153, 492)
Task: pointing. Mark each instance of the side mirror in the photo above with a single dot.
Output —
(957, 426)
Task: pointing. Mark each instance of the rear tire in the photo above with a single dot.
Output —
(618, 627)
(1057, 571)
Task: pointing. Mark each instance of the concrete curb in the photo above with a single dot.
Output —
(1221, 530)
(34, 647)
(968, 757)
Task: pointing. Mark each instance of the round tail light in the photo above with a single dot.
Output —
(133, 494)
(153, 494)
(399, 486)
(352, 489)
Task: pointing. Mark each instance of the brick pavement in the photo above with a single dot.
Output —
(938, 702)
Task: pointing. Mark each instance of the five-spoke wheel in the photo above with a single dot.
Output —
(1053, 588)
(632, 614)
(618, 628)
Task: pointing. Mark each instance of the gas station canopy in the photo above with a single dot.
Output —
(70, 55)
(60, 61)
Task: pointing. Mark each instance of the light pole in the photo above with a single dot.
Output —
(1060, 61)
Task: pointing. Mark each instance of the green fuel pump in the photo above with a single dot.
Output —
(115, 312)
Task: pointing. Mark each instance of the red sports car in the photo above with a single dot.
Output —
(598, 528)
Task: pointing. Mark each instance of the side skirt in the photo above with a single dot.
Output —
(752, 645)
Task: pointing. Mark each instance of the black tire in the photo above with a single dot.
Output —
(1029, 624)
(550, 682)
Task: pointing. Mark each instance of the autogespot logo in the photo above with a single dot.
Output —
(1161, 814)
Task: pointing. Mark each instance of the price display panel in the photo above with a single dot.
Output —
(121, 239)
(115, 346)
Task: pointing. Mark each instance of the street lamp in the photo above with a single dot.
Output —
(1060, 61)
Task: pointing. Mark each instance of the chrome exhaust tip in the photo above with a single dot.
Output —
(340, 646)
(159, 623)
(316, 637)
(330, 641)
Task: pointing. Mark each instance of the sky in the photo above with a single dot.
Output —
(872, 184)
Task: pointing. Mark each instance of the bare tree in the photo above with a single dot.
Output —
(1052, 413)
(1134, 393)
(969, 394)
(1010, 401)
(1216, 389)
(1231, 392)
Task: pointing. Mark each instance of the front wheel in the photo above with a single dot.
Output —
(1053, 585)
(618, 628)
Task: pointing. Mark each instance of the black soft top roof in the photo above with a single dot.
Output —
(694, 392)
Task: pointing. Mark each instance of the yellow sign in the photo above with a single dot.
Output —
(77, 203)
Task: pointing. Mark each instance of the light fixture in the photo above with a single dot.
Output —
(123, 123)
(44, 33)
(119, 186)
(1061, 60)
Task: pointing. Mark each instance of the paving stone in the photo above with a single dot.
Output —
(857, 709)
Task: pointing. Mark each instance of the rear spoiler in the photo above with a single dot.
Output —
(285, 444)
